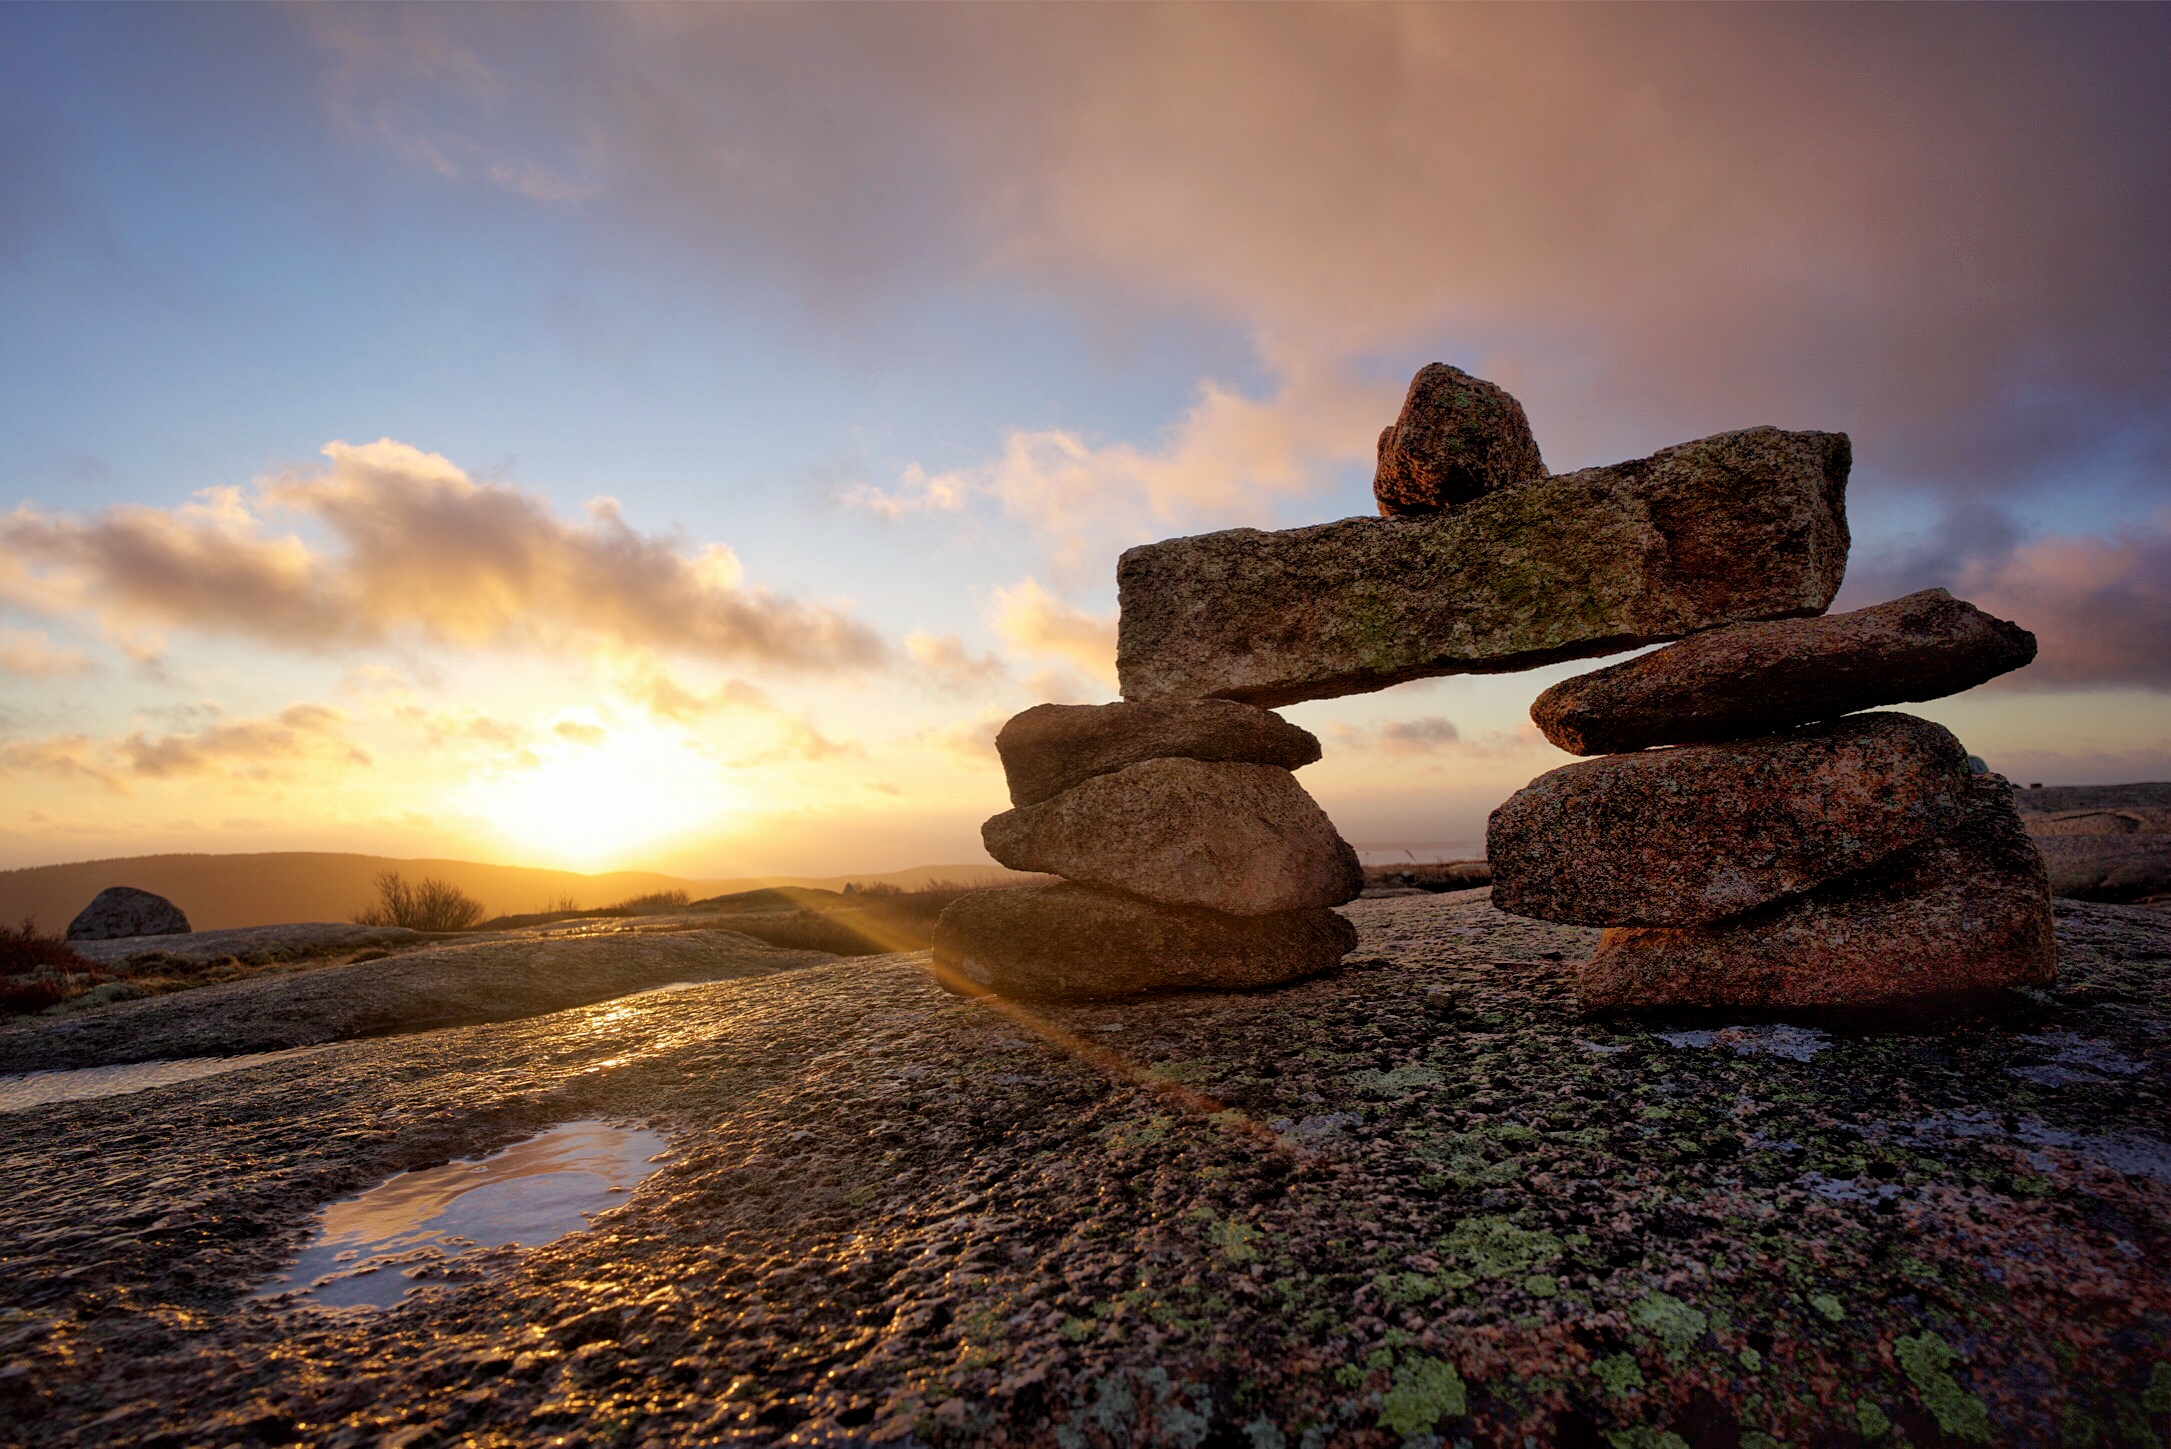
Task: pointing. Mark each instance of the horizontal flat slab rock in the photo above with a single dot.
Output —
(1965, 913)
(1750, 679)
(2125, 820)
(1458, 437)
(1071, 943)
(893, 1215)
(1245, 839)
(1684, 836)
(1051, 747)
(1745, 525)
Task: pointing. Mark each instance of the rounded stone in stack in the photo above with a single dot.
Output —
(1695, 834)
(1074, 943)
(1964, 913)
(1751, 679)
(1242, 839)
(1051, 747)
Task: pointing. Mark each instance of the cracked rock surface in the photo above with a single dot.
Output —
(1418, 1196)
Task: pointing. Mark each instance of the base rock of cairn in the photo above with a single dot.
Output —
(1072, 943)
(1964, 913)
(1857, 862)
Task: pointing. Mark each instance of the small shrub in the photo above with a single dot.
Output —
(653, 901)
(40, 971)
(431, 905)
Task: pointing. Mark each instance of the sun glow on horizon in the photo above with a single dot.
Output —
(595, 799)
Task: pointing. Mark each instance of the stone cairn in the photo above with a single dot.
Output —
(1749, 838)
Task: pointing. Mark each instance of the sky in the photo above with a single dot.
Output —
(678, 437)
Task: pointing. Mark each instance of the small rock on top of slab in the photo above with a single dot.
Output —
(1244, 839)
(1684, 836)
(1459, 437)
(1744, 525)
(1051, 747)
(1071, 943)
(1966, 912)
(1748, 679)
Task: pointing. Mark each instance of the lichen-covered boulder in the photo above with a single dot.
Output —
(1744, 525)
(119, 912)
(1749, 679)
(1244, 839)
(1965, 913)
(1458, 437)
(1051, 747)
(1071, 943)
(1683, 836)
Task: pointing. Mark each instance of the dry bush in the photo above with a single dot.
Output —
(653, 901)
(431, 905)
(38, 971)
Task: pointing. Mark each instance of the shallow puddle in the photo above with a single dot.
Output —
(370, 1250)
(35, 1089)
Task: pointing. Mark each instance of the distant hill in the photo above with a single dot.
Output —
(222, 891)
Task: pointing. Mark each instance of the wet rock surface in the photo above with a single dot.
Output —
(291, 941)
(1245, 839)
(1418, 1196)
(488, 980)
(1458, 437)
(122, 911)
(1072, 943)
(1967, 912)
(1743, 525)
(1049, 748)
(1747, 679)
(1702, 832)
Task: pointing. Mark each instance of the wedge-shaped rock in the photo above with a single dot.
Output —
(1967, 912)
(1679, 837)
(1072, 943)
(1051, 747)
(1458, 437)
(1244, 839)
(1747, 525)
(1749, 679)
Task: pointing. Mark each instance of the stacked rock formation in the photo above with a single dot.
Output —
(1750, 838)
(1191, 856)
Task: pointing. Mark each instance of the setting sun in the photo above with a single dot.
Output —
(595, 798)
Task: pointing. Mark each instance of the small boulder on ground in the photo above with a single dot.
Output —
(1744, 525)
(1245, 839)
(119, 912)
(1683, 836)
(1748, 679)
(1051, 747)
(1964, 913)
(1073, 943)
(1459, 437)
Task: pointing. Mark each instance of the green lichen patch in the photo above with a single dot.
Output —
(1426, 1392)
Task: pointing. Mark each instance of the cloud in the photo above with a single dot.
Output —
(943, 656)
(1230, 458)
(1430, 735)
(580, 733)
(256, 749)
(1035, 622)
(2099, 605)
(778, 734)
(29, 653)
(1665, 222)
(419, 551)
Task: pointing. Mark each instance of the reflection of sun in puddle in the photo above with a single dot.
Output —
(369, 1249)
